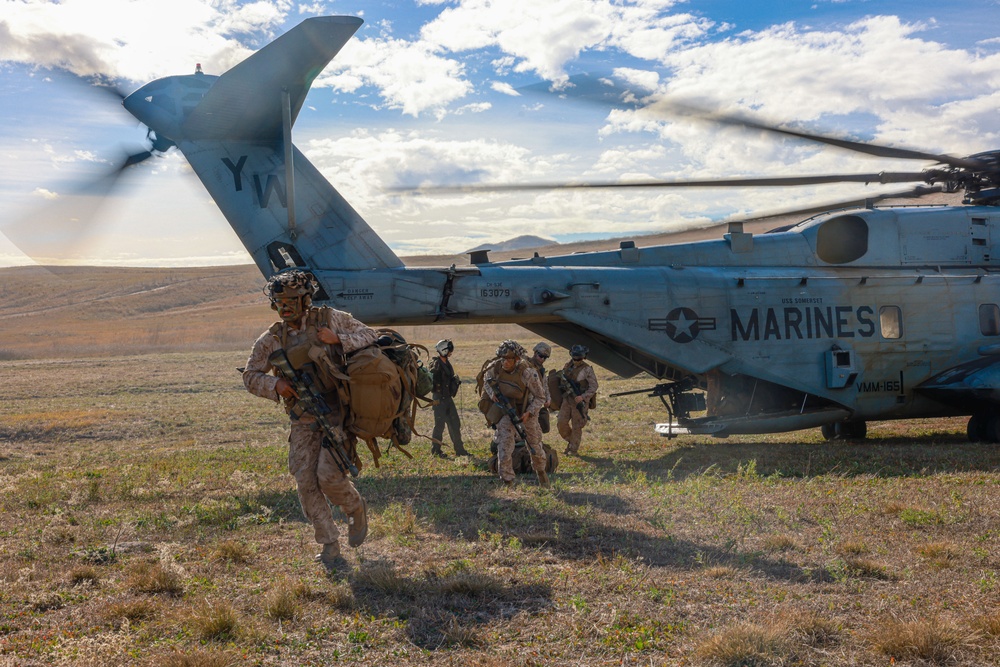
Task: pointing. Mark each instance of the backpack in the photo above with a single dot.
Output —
(387, 381)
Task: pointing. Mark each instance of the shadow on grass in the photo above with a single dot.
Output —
(886, 457)
(554, 523)
(446, 608)
(460, 506)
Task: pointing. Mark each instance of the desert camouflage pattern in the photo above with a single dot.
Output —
(317, 477)
(258, 376)
(540, 369)
(317, 480)
(506, 435)
(571, 422)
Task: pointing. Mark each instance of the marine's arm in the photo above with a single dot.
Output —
(530, 378)
(590, 378)
(488, 384)
(257, 376)
(350, 333)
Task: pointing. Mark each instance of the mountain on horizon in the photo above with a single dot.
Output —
(516, 243)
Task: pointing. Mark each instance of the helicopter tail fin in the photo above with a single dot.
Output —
(234, 140)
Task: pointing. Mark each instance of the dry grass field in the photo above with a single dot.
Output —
(148, 518)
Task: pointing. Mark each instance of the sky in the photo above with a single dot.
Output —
(465, 91)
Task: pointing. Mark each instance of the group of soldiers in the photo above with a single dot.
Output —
(518, 395)
(515, 387)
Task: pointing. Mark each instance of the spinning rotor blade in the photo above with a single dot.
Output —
(856, 146)
(881, 177)
(608, 91)
(59, 230)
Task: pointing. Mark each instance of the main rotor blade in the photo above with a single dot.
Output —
(881, 177)
(608, 91)
(856, 146)
(60, 229)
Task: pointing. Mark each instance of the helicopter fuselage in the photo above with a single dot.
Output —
(852, 315)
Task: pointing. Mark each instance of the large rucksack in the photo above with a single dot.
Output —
(388, 383)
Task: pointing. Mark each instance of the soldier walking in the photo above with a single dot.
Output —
(575, 404)
(446, 384)
(540, 354)
(517, 380)
(319, 478)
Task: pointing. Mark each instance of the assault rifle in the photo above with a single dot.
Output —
(571, 389)
(511, 412)
(312, 401)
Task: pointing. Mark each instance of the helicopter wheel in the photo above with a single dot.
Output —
(852, 430)
(983, 427)
(856, 430)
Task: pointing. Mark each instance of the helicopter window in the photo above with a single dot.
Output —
(842, 239)
(989, 319)
(891, 321)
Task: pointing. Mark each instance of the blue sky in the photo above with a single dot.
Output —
(432, 92)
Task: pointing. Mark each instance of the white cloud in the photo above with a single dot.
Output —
(409, 75)
(45, 194)
(134, 40)
(544, 35)
(504, 88)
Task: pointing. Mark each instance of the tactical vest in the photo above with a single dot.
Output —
(312, 355)
(575, 372)
(512, 384)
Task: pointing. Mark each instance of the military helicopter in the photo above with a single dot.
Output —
(857, 313)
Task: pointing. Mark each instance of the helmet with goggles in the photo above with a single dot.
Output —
(510, 349)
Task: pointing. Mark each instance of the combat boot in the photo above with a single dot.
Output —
(358, 521)
(543, 479)
(330, 557)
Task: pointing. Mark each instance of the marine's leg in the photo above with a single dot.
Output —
(440, 419)
(455, 428)
(577, 422)
(303, 460)
(538, 458)
(340, 491)
(505, 438)
(564, 423)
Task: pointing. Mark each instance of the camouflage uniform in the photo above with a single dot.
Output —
(571, 421)
(539, 366)
(316, 475)
(506, 435)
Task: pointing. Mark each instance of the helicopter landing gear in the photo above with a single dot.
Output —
(852, 430)
(984, 427)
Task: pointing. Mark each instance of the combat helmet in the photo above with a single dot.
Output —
(445, 347)
(543, 350)
(579, 352)
(291, 284)
(510, 348)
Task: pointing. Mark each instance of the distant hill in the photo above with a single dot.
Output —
(516, 243)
